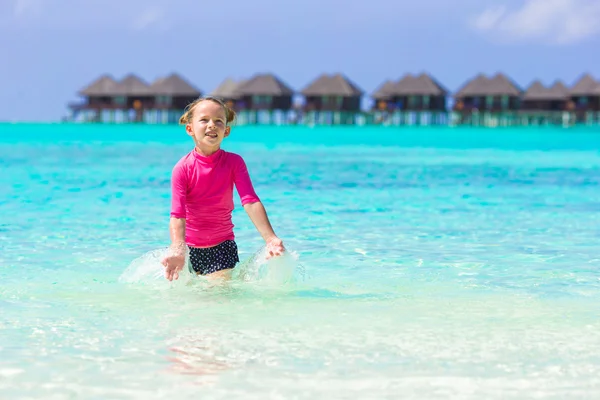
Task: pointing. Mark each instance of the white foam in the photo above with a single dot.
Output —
(274, 271)
(10, 372)
(279, 270)
(149, 269)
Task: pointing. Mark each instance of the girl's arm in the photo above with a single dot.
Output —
(175, 259)
(177, 232)
(258, 215)
(255, 209)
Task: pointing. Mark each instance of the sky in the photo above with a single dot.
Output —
(50, 49)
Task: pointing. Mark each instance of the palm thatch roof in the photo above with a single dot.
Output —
(558, 91)
(384, 91)
(419, 85)
(132, 85)
(105, 85)
(585, 86)
(228, 89)
(537, 91)
(264, 85)
(473, 87)
(332, 85)
(481, 85)
(173, 85)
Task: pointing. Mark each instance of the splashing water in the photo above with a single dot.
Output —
(147, 269)
(282, 270)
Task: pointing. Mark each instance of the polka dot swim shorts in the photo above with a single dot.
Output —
(205, 261)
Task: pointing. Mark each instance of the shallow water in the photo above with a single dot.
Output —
(431, 263)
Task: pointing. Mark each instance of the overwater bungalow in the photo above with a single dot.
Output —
(264, 99)
(413, 100)
(383, 96)
(265, 92)
(331, 100)
(539, 98)
(483, 94)
(484, 101)
(420, 93)
(541, 105)
(174, 92)
(227, 91)
(171, 95)
(335, 99)
(585, 99)
(133, 93)
(585, 94)
(132, 99)
(412, 93)
(108, 100)
(332, 93)
(98, 96)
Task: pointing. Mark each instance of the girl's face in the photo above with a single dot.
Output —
(208, 126)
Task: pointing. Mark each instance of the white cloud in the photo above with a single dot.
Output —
(543, 21)
(489, 18)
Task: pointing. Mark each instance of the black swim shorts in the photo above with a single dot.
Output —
(205, 261)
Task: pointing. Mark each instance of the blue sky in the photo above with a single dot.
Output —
(52, 48)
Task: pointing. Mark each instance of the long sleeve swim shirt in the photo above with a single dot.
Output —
(202, 193)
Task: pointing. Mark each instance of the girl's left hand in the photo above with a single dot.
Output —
(274, 247)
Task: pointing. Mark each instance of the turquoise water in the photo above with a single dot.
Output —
(424, 263)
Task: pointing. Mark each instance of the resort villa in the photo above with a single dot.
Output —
(334, 99)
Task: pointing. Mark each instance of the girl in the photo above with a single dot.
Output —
(202, 197)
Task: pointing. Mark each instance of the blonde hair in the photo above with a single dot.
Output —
(188, 113)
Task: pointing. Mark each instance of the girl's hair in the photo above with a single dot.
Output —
(186, 118)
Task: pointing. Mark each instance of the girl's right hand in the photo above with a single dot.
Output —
(274, 247)
(173, 264)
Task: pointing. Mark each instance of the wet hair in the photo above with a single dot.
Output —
(186, 118)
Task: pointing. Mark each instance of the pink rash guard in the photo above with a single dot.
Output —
(202, 193)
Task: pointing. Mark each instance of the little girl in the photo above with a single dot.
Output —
(202, 197)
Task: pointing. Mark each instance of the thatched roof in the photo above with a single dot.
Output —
(537, 91)
(105, 85)
(264, 85)
(585, 86)
(420, 85)
(558, 91)
(332, 85)
(228, 89)
(473, 87)
(133, 85)
(385, 91)
(499, 85)
(173, 85)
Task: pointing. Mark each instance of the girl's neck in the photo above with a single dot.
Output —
(206, 152)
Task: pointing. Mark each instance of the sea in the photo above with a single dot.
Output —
(421, 263)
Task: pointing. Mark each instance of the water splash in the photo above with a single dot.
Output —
(148, 269)
(285, 269)
(281, 270)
